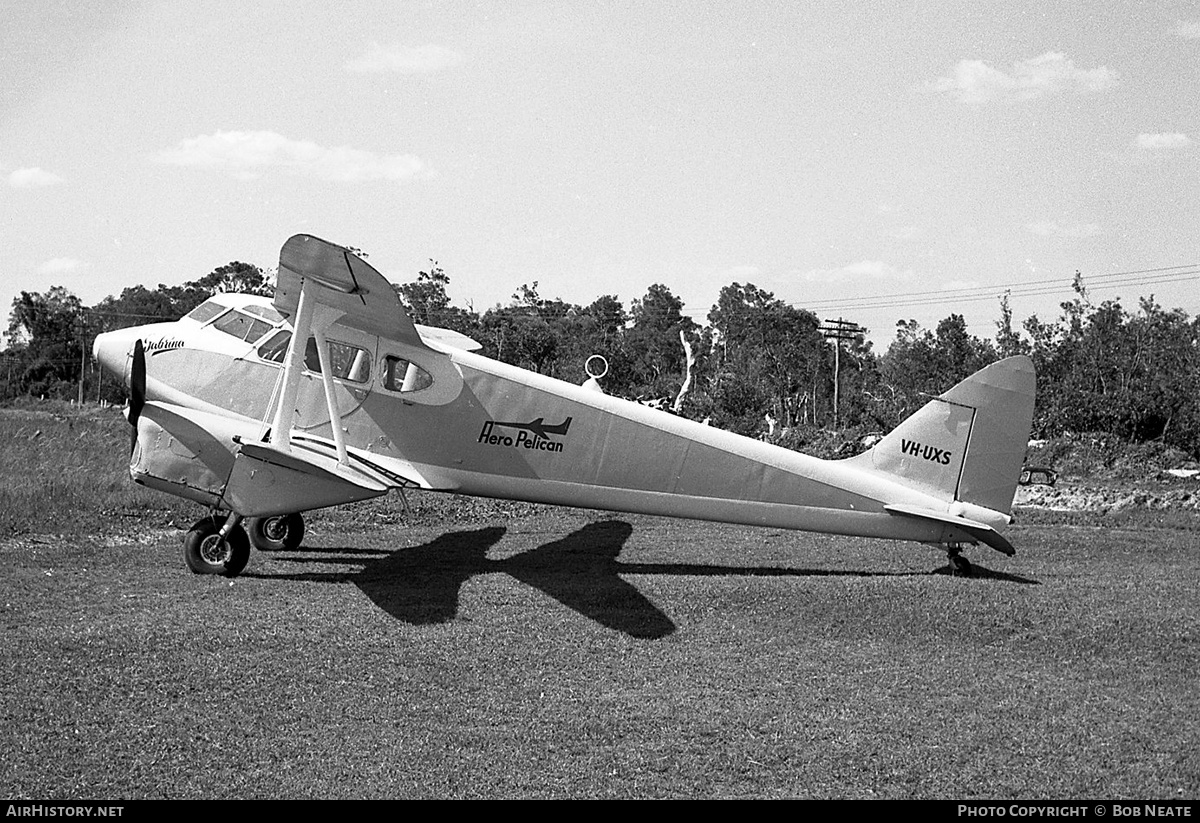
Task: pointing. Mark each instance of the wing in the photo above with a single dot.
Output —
(319, 284)
(266, 481)
(348, 284)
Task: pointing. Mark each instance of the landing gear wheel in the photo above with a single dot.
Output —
(960, 566)
(206, 552)
(283, 532)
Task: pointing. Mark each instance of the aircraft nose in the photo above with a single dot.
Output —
(112, 348)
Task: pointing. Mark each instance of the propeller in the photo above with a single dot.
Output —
(137, 390)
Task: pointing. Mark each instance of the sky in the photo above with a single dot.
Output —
(874, 161)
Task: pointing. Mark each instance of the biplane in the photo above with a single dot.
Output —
(263, 409)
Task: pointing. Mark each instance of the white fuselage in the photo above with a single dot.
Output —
(444, 418)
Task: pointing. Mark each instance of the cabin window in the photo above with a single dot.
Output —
(242, 326)
(206, 311)
(404, 376)
(347, 362)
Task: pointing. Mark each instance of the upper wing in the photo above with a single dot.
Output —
(369, 302)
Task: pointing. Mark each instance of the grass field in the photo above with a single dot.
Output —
(471, 649)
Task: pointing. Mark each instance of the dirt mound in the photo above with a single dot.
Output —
(1100, 472)
(1104, 458)
(1069, 496)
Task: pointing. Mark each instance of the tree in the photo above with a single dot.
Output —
(1103, 370)
(238, 277)
(427, 302)
(1008, 340)
(770, 345)
(48, 334)
(426, 299)
(609, 317)
(135, 306)
(525, 333)
(595, 329)
(1165, 376)
(656, 360)
(920, 363)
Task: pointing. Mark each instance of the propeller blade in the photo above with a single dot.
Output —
(137, 389)
(137, 382)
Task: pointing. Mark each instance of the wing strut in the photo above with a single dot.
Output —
(285, 412)
(312, 317)
(335, 418)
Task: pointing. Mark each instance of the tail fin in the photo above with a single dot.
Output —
(967, 444)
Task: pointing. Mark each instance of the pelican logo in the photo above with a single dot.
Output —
(534, 435)
(161, 345)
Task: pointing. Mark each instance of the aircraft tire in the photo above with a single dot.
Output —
(206, 553)
(283, 532)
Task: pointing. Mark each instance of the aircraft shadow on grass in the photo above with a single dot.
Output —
(421, 585)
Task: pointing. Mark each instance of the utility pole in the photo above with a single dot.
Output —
(837, 331)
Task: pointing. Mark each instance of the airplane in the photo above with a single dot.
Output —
(261, 409)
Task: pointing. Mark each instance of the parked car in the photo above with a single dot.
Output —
(1038, 475)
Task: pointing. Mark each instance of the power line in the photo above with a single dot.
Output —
(1142, 277)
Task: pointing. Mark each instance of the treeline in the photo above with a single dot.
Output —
(760, 366)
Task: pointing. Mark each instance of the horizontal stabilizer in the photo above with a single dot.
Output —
(975, 531)
(267, 481)
(448, 337)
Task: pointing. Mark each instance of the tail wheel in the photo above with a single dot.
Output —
(284, 532)
(207, 552)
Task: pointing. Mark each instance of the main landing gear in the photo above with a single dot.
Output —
(218, 544)
(282, 532)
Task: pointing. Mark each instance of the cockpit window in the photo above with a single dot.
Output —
(206, 311)
(275, 347)
(242, 326)
(404, 376)
(267, 313)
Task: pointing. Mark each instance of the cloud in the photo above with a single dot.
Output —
(976, 82)
(247, 154)
(1048, 228)
(405, 59)
(61, 265)
(1188, 29)
(33, 178)
(1164, 141)
(960, 285)
(854, 272)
